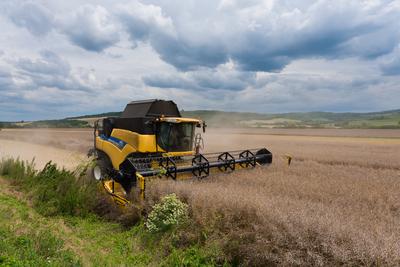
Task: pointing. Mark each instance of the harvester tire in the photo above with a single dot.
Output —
(102, 167)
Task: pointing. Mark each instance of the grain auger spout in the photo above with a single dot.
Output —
(152, 139)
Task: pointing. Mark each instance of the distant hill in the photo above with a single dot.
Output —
(215, 118)
(63, 123)
(107, 114)
(384, 119)
(376, 120)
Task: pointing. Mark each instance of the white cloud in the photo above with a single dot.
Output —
(224, 77)
(69, 57)
(142, 20)
(91, 27)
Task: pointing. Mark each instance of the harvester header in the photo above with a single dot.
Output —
(152, 139)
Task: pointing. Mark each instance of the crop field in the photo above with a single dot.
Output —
(337, 203)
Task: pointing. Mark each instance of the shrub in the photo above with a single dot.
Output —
(61, 192)
(56, 191)
(16, 168)
(166, 214)
(53, 191)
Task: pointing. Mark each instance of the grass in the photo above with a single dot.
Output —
(49, 225)
(53, 191)
(30, 239)
(29, 244)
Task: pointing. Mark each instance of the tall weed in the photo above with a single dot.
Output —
(53, 191)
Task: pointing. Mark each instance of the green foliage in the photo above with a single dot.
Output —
(53, 191)
(27, 238)
(33, 249)
(4, 124)
(166, 214)
(24, 241)
(58, 124)
(60, 192)
(63, 123)
(193, 257)
(107, 114)
(17, 169)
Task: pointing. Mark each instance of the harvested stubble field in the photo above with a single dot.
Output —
(338, 203)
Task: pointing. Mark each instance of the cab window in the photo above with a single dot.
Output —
(174, 137)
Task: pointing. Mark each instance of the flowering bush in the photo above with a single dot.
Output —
(169, 212)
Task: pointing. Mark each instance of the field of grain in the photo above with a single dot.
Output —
(338, 203)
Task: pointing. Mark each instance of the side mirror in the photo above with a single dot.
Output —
(95, 126)
(204, 126)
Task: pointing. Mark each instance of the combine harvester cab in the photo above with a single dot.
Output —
(151, 139)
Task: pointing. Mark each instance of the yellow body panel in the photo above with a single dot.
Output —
(142, 185)
(116, 155)
(143, 143)
(135, 143)
(116, 191)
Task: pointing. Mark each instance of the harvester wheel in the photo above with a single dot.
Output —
(264, 151)
(102, 168)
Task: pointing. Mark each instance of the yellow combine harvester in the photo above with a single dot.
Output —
(151, 139)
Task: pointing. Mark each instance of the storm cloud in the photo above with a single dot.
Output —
(265, 56)
(264, 37)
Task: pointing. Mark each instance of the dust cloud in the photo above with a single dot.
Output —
(66, 148)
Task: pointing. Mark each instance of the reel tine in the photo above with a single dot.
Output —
(228, 161)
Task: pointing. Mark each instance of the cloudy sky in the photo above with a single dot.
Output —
(65, 58)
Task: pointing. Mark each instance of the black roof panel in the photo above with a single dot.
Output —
(150, 108)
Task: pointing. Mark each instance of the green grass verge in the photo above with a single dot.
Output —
(25, 242)
(54, 223)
